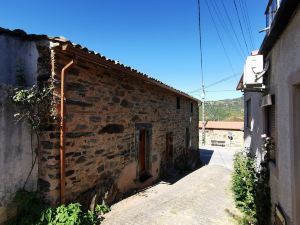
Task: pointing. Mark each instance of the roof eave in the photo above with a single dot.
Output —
(98, 59)
(280, 22)
(240, 85)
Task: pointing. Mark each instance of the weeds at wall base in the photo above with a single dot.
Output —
(32, 211)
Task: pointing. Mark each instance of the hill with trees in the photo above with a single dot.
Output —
(224, 110)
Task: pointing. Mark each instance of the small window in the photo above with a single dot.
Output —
(270, 121)
(248, 114)
(192, 107)
(177, 102)
(270, 131)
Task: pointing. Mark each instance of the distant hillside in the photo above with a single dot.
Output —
(224, 110)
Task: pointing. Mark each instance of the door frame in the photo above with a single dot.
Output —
(294, 124)
(296, 153)
(147, 127)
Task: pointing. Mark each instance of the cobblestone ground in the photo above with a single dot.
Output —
(202, 197)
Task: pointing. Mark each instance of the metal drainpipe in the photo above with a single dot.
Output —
(62, 132)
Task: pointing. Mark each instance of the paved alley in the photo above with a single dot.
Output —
(202, 197)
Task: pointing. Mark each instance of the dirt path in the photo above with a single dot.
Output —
(201, 197)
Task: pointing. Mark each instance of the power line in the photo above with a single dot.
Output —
(222, 80)
(212, 84)
(232, 28)
(200, 42)
(199, 93)
(247, 26)
(223, 23)
(202, 76)
(244, 4)
(222, 91)
(241, 27)
(219, 35)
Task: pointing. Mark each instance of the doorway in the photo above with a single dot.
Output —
(142, 151)
(143, 147)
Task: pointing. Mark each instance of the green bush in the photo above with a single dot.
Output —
(29, 208)
(31, 211)
(251, 190)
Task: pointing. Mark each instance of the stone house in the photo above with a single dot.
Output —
(272, 108)
(117, 129)
(223, 133)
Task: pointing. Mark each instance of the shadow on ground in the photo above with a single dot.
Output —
(205, 155)
(173, 174)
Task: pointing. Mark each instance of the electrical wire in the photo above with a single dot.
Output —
(200, 42)
(248, 21)
(219, 35)
(222, 80)
(212, 84)
(222, 91)
(224, 25)
(241, 27)
(247, 26)
(232, 28)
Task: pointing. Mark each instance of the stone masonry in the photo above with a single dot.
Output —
(104, 106)
(111, 111)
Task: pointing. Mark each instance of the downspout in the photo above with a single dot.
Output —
(62, 132)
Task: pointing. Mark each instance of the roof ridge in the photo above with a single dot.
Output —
(22, 34)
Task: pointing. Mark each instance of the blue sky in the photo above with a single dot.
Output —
(159, 38)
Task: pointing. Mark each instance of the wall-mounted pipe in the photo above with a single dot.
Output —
(62, 133)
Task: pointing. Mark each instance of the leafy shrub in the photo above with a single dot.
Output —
(102, 209)
(29, 208)
(31, 211)
(32, 105)
(251, 190)
(243, 185)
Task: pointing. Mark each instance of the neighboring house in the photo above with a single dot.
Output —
(223, 133)
(272, 107)
(120, 128)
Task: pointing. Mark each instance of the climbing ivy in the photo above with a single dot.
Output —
(32, 105)
(34, 108)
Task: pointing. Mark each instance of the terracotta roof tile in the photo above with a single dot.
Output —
(223, 125)
(22, 34)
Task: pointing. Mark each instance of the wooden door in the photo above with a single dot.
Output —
(142, 150)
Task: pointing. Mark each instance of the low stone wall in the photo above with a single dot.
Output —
(220, 138)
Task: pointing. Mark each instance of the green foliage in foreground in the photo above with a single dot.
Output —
(32, 211)
(251, 190)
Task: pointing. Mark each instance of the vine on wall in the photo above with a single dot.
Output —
(33, 108)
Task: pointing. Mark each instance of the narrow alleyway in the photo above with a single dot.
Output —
(202, 197)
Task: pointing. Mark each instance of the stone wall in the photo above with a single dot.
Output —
(104, 105)
(222, 137)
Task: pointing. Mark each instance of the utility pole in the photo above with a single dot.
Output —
(203, 115)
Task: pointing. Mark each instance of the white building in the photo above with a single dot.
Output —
(272, 107)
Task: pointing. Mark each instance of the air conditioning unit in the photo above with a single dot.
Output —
(254, 71)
